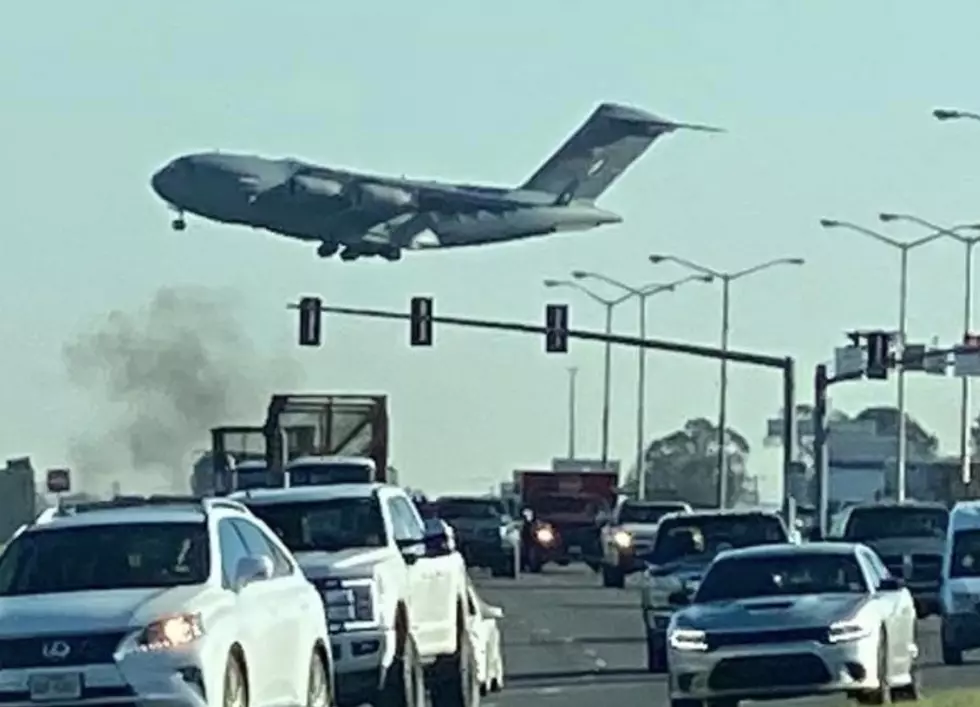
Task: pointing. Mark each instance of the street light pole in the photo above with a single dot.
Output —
(969, 242)
(726, 278)
(642, 294)
(904, 247)
(609, 305)
(572, 374)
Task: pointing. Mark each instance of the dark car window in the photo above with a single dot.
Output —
(879, 523)
(706, 535)
(453, 509)
(642, 513)
(330, 525)
(781, 575)
(116, 556)
(327, 473)
(965, 561)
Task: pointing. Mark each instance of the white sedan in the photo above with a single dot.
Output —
(780, 621)
(485, 638)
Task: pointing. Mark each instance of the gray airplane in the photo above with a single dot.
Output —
(365, 215)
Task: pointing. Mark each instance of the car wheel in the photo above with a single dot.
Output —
(613, 577)
(235, 685)
(404, 683)
(454, 682)
(656, 654)
(318, 692)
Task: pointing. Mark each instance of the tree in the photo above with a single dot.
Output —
(684, 464)
(886, 422)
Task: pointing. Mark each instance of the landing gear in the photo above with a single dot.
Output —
(391, 253)
(327, 249)
(178, 224)
(349, 254)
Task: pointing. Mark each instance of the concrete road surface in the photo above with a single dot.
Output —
(568, 642)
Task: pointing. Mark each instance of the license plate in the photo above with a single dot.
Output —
(48, 687)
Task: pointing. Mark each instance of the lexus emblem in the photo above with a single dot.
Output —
(55, 650)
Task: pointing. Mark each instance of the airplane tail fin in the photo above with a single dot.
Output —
(598, 153)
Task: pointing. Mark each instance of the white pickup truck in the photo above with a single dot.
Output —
(393, 585)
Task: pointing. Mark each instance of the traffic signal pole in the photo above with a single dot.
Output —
(557, 334)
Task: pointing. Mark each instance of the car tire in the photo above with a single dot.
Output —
(319, 692)
(453, 680)
(404, 681)
(656, 654)
(613, 577)
(952, 655)
(235, 684)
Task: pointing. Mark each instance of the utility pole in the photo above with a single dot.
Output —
(572, 374)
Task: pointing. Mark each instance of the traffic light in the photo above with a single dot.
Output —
(421, 321)
(556, 325)
(879, 355)
(310, 323)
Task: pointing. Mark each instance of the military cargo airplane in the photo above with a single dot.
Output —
(365, 215)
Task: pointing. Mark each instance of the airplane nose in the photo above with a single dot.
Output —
(163, 181)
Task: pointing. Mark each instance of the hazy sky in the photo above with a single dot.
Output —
(828, 107)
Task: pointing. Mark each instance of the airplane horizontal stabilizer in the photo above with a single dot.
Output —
(598, 153)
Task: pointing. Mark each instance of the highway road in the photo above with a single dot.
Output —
(568, 642)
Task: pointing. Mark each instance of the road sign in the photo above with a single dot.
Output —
(556, 323)
(58, 480)
(421, 321)
(310, 321)
(848, 360)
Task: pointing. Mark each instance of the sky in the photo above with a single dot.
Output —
(827, 107)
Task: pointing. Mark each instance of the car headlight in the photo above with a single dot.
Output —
(351, 603)
(686, 639)
(545, 535)
(622, 539)
(845, 631)
(171, 632)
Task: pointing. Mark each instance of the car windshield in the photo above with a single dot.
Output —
(103, 557)
(326, 473)
(637, 513)
(781, 575)
(328, 525)
(965, 561)
(546, 505)
(896, 522)
(253, 478)
(707, 535)
(453, 509)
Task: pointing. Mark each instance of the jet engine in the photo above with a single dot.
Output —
(380, 195)
(314, 186)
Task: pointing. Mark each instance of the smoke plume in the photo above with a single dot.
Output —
(164, 375)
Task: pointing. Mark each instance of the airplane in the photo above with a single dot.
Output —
(366, 215)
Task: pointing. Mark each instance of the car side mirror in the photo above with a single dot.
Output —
(493, 612)
(252, 568)
(679, 598)
(439, 538)
(890, 584)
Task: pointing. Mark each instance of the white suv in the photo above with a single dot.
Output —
(158, 601)
(394, 587)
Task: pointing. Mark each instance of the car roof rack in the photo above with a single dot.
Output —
(205, 503)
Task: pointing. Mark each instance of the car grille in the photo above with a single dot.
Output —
(754, 638)
(762, 672)
(83, 649)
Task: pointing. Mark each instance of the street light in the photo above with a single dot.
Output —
(969, 242)
(642, 294)
(727, 278)
(952, 114)
(609, 305)
(904, 247)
